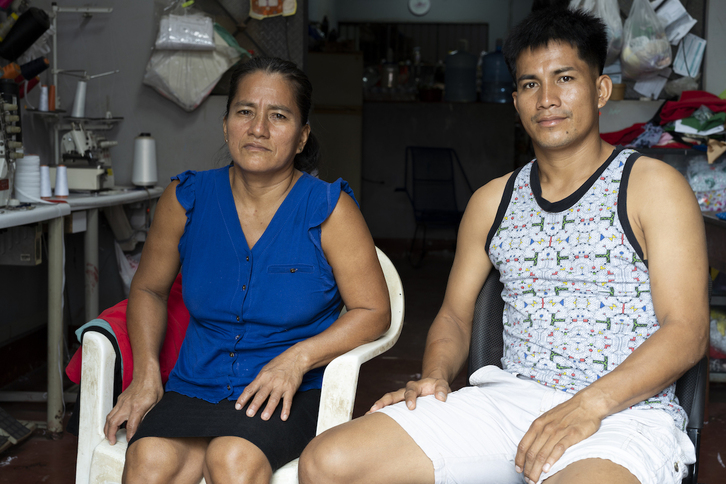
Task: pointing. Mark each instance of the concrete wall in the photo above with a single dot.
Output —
(715, 64)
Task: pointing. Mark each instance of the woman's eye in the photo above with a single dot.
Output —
(244, 112)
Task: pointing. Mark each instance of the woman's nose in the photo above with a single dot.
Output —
(259, 126)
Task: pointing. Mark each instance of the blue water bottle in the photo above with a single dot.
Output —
(496, 82)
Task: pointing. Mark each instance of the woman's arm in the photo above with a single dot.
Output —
(349, 249)
(146, 314)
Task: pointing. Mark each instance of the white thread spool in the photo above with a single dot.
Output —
(45, 191)
(27, 179)
(144, 174)
(61, 182)
(43, 105)
(79, 103)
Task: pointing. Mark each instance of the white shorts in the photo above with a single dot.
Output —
(473, 436)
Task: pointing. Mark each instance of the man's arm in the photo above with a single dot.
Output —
(447, 343)
(668, 224)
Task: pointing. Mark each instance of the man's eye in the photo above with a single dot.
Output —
(278, 116)
(566, 78)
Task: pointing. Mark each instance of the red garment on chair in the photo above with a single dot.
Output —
(689, 102)
(176, 328)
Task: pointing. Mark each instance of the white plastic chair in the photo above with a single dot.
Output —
(99, 462)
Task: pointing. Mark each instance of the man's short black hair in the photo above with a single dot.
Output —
(581, 30)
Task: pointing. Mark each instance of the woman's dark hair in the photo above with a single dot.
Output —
(309, 158)
(583, 31)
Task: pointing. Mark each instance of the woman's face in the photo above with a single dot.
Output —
(263, 127)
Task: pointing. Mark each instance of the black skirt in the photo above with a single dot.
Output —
(177, 415)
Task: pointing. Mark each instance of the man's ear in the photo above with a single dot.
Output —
(514, 101)
(604, 90)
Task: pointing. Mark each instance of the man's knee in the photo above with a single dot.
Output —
(326, 459)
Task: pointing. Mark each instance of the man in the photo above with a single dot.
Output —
(602, 255)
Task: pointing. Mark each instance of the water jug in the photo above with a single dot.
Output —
(460, 78)
(496, 82)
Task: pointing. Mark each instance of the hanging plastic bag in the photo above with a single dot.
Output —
(646, 49)
(609, 12)
(186, 77)
(189, 31)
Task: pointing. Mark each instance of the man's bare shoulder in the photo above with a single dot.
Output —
(653, 179)
(488, 196)
(483, 204)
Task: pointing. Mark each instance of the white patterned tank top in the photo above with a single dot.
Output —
(576, 287)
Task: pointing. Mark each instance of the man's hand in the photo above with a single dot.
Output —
(132, 406)
(554, 432)
(414, 389)
(278, 380)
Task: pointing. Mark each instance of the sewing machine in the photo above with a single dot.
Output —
(87, 158)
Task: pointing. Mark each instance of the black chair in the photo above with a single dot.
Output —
(430, 183)
(487, 348)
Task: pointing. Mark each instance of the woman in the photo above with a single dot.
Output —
(267, 252)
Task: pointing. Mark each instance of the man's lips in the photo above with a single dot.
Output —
(549, 121)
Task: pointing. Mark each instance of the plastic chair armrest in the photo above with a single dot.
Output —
(96, 398)
(340, 381)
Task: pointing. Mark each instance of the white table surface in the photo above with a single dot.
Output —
(107, 198)
(39, 213)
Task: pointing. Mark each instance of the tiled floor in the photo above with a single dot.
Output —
(41, 460)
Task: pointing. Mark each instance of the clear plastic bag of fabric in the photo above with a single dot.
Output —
(646, 50)
(186, 77)
(609, 12)
(708, 182)
(185, 31)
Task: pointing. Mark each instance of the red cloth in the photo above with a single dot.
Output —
(689, 102)
(624, 136)
(176, 328)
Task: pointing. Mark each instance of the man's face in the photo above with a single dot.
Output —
(558, 95)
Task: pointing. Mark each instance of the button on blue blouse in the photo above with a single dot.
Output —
(248, 306)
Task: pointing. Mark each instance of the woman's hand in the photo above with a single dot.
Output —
(132, 406)
(278, 380)
(414, 389)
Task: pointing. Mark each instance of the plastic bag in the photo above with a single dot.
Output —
(127, 265)
(646, 49)
(708, 183)
(187, 77)
(189, 31)
(609, 12)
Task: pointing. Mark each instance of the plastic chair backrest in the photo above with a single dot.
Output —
(487, 348)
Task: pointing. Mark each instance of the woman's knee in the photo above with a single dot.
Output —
(232, 459)
(154, 459)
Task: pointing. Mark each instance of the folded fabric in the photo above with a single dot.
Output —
(113, 321)
(690, 101)
(714, 121)
(650, 136)
(624, 136)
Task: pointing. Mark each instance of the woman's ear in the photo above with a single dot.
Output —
(303, 138)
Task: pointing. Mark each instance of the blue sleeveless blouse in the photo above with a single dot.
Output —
(247, 305)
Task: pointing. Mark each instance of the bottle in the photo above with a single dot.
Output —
(496, 82)
(460, 76)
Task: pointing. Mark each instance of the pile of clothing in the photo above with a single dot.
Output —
(695, 121)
